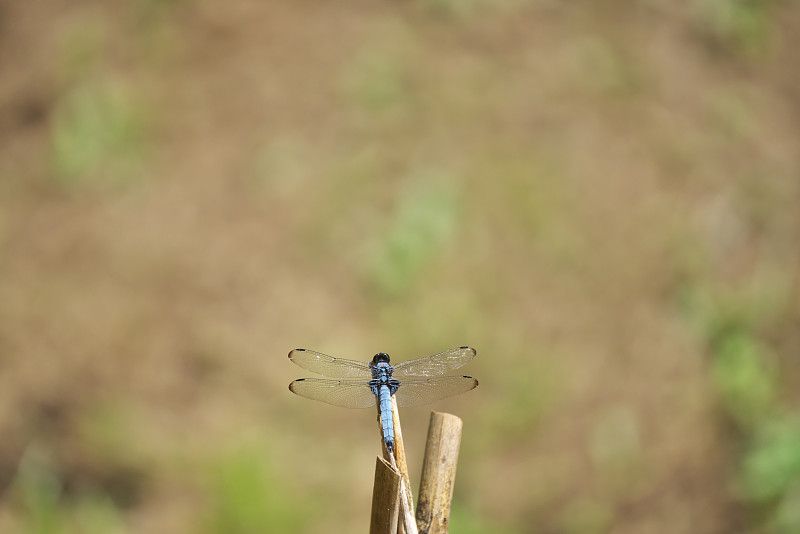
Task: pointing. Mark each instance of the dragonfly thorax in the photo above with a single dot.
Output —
(380, 367)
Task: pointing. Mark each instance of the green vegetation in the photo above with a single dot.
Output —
(98, 131)
(770, 474)
(422, 224)
(39, 491)
(378, 82)
(744, 372)
(464, 521)
(38, 498)
(742, 375)
(771, 470)
(746, 26)
(98, 136)
(245, 497)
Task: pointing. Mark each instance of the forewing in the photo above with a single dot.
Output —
(435, 365)
(343, 393)
(418, 391)
(328, 365)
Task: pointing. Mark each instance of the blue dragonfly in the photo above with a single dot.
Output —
(363, 385)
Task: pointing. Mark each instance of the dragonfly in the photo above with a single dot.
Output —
(356, 384)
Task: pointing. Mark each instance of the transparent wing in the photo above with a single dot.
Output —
(414, 392)
(343, 393)
(435, 365)
(325, 365)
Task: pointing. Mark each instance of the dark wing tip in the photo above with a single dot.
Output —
(295, 350)
(464, 347)
(476, 382)
(474, 352)
(291, 386)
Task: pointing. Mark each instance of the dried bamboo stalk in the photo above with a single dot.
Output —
(407, 523)
(438, 473)
(385, 500)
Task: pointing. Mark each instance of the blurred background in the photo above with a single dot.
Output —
(601, 197)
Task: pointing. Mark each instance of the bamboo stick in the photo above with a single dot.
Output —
(438, 473)
(407, 523)
(385, 500)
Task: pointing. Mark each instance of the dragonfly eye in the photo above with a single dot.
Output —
(380, 357)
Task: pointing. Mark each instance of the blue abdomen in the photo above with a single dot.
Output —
(384, 386)
(387, 424)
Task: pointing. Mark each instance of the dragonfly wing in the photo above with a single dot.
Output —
(343, 393)
(325, 365)
(417, 391)
(435, 365)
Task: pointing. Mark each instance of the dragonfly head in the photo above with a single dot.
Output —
(381, 357)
